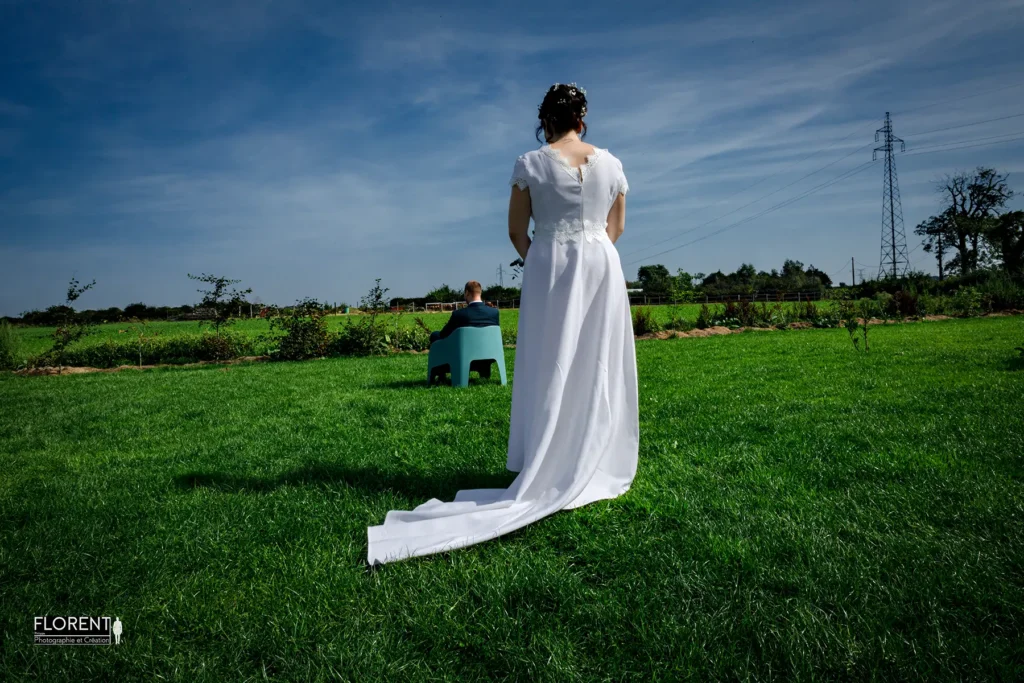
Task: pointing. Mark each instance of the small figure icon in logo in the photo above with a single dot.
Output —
(117, 630)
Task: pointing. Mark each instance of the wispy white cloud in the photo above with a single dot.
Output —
(387, 153)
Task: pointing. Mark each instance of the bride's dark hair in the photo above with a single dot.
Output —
(562, 110)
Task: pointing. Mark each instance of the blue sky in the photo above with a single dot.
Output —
(310, 147)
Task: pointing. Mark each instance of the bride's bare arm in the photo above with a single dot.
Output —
(519, 209)
(617, 219)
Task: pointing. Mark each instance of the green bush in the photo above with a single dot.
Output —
(644, 322)
(1001, 292)
(377, 335)
(904, 304)
(883, 303)
(704, 317)
(967, 301)
(727, 316)
(305, 331)
(676, 321)
(928, 304)
(10, 346)
(408, 337)
(775, 315)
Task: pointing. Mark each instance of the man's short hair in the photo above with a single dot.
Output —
(473, 288)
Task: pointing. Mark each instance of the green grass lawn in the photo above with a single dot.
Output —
(801, 511)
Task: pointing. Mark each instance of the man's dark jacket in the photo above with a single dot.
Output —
(476, 314)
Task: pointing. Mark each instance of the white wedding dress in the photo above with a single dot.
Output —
(574, 433)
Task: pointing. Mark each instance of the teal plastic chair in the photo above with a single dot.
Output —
(463, 347)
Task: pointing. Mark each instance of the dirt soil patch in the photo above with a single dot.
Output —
(47, 370)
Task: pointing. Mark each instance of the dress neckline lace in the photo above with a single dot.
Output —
(577, 172)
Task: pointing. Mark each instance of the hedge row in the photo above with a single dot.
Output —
(310, 341)
(177, 349)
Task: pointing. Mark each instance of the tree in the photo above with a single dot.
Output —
(1006, 235)
(939, 234)
(136, 310)
(683, 290)
(746, 273)
(375, 304)
(654, 280)
(499, 293)
(792, 268)
(219, 302)
(70, 328)
(444, 294)
(820, 276)
(972, 201)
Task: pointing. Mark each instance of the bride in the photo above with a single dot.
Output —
(574, 433)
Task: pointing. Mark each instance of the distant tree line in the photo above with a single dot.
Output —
(446, 295)
(657, 281)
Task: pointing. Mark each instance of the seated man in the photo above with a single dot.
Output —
(475, 314)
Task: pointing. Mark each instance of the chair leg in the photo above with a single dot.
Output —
(501, 370)
(460, 374)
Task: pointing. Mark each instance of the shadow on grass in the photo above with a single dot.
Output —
(420, 383)
(368, 480)
(1016, 364)
(437, 382)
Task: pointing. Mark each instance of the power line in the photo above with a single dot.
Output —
(960, 142)
(838, 270)
(959, 99)
(740, 208)
(859, 128)
(751, 186)
(787, 202)
(928, 149)
(798, 197)
(966, 125)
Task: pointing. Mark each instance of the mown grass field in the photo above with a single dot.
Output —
(35, 340)
(801, 512)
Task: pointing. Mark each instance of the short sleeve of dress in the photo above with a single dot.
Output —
(622, 185)
(520, 178)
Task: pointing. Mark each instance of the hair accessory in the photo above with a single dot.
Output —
(573, 91)
(572, 88)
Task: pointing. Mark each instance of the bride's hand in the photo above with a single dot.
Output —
(519, 210)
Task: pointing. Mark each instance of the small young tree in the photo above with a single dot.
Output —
(221, 302)
(681, 289)
(70, 327)
(376, 305)
(140, 328)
